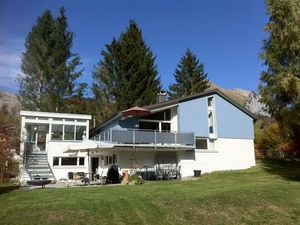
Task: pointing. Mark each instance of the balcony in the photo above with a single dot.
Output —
(147, 138)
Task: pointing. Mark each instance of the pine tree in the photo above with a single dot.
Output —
(48, 65)
(190, 77)
(280, 83)
(127, 74)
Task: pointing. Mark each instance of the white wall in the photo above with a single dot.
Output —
(56, 149)
(229, 154)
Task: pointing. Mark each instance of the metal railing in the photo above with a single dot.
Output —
(145, 137)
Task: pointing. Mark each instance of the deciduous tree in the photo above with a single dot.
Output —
(280, 82)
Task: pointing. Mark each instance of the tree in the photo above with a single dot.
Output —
(9, 141)
(190, 77)
(127, 74)
(48, 65)
(280, 82)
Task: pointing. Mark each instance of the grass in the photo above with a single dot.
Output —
(266, 194)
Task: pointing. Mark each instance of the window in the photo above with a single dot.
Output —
(80, 132)
(81, 161)
(210, 108)
(69, 132)
(211, 122)
(165, 126)
(69, 161)
(55, 161)
(57, 132)
(201, 143)
(148, 125)
(110, 159)
(163, 115)
(210, 101)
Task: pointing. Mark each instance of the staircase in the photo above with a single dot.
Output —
(37, 168)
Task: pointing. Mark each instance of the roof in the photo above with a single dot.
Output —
(55, 115)
(200, 95)
(184, 99)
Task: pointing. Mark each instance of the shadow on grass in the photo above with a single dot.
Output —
(7, 188)
(288, 169)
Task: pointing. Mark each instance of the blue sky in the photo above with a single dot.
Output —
(225, 35)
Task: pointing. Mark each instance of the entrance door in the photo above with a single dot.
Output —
(95, 165)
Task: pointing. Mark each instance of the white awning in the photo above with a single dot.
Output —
(86, 145)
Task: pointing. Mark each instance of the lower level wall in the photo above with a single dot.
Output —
(229, 154)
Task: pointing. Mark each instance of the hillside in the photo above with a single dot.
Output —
(11, 101)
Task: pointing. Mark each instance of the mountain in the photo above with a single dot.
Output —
(248, 99)
(11, 101)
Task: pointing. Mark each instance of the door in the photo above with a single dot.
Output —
(95, 165)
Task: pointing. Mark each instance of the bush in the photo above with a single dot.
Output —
(135, 179)
(271, 141)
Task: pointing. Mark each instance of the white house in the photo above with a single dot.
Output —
(207, 131)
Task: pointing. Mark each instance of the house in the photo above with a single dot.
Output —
(44, 138)
(206, 131)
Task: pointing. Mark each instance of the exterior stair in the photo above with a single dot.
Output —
(37, 167)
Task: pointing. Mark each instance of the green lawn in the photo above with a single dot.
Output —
(266, 194)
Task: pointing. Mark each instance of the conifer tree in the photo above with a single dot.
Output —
(127, 74)
(190, 77)
(48, 65)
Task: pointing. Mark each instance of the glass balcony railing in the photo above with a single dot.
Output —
(146, 137)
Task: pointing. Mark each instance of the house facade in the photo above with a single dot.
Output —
(206, 131)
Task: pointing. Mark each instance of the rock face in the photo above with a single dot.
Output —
(247, 99)
(11, 101)
(255, 106)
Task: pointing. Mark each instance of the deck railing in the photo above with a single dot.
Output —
(146, 137)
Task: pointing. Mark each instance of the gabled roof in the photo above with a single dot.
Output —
(184, 99)
(200, 95)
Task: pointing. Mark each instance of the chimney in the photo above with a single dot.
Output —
(162, 96)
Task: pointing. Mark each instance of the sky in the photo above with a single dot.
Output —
(225, 35)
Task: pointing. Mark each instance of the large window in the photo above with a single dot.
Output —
(205, 144)
(163, 115)
(201, 143)
(57, 132)
(143, 125)
(69, 132)
(80, 132)
(110, 159)
(68, 161)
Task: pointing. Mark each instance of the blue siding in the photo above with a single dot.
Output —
(192, 117)
(231, 121)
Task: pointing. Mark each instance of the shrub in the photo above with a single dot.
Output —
(135, 179)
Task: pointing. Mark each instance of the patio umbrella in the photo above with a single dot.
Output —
(86, 146)
(136, 111)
